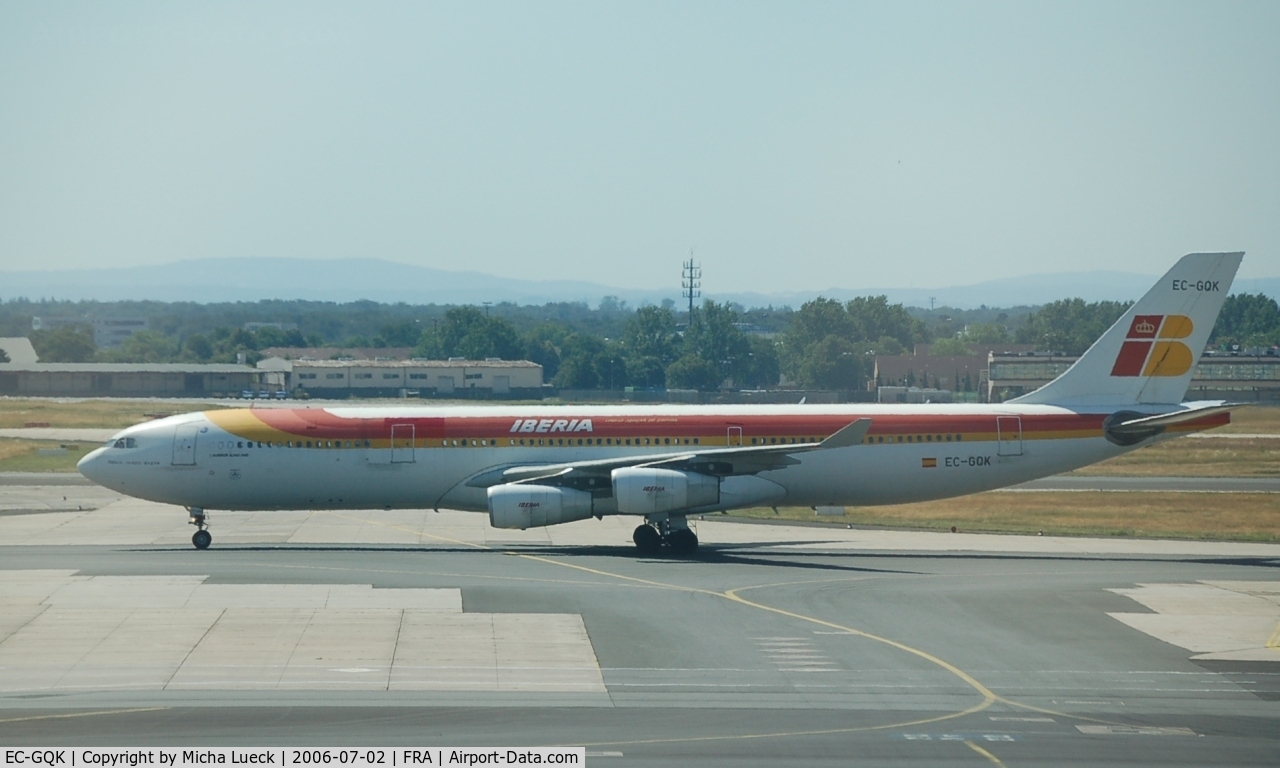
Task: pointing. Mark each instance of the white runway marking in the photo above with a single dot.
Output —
(795, 654)
(63, 632)
(1223, 620)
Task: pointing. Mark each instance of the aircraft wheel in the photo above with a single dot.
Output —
(683, 541)
(647, 539)
(202, 539)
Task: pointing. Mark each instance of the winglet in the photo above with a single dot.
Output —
(852, 434)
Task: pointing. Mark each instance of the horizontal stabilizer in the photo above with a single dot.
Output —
(1127, 428)
(1177, 417)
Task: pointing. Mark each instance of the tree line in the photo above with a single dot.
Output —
(825, 344)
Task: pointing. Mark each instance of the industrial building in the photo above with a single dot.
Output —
(108, 332)
(336, 353)
(410, 378)
(1238, 378)
(128, 380)
(955, 373)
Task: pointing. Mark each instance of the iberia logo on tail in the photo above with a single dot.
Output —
(1146, 352)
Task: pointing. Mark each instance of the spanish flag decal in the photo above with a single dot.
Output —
(928, 463)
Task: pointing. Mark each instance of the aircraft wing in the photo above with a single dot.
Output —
(733, 460)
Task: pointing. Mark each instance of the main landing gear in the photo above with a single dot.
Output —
(201, 538)
(670, 531)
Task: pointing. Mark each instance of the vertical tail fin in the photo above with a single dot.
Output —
(1148, 356)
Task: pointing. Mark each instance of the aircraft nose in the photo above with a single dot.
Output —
(93, 466)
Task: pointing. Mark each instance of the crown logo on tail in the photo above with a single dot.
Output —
(1141, 355)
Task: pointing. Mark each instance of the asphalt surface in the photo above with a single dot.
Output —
(773, 646)
(749, 655)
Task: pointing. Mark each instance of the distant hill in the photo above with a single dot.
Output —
(342, 280)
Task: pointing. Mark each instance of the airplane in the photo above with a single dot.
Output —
(531, 466)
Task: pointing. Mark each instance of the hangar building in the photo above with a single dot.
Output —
(127, 379)
(411, 378)
(1238, 378)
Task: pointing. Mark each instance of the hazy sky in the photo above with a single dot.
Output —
(795, 145)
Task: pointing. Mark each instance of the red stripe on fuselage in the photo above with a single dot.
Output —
(319, 424)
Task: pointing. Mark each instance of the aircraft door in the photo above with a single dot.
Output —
(401, 443)
(734, 435)
(184, 445)
(1009, 435)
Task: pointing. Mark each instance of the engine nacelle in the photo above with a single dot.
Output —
(517, 505)
(646, 491)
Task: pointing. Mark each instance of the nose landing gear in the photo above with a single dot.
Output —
(201, 538)
(672, 531)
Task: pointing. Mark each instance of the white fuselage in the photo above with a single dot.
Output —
(407, 457)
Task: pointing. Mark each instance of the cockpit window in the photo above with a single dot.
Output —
(125, 442)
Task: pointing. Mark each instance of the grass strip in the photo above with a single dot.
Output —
(1198, 457)
(105, 413)
(1206, 516)
(41, 455)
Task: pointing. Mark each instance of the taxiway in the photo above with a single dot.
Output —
(776, 645)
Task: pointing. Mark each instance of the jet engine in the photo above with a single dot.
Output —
(646, 491)
(517, 505)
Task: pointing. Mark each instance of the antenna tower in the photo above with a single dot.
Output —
(691, 281)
